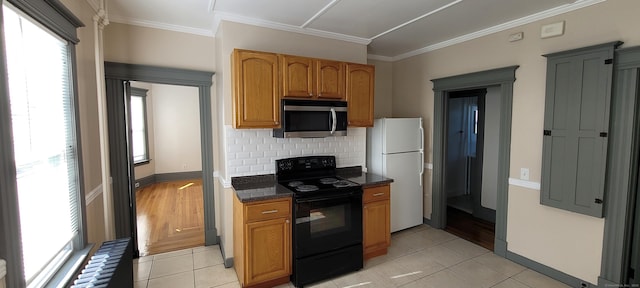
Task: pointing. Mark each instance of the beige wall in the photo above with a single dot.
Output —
(88, 107)
(148, 46)
(566, 241)
(176, 128)
(383, 89)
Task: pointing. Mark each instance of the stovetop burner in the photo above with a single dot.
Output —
(295, 183)
(342, 183)
(307, 188)
(328, 180)
(312, 176)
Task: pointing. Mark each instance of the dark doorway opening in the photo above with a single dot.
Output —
(467, 217)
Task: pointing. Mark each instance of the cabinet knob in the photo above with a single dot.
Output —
(310, 94)
(287, 221)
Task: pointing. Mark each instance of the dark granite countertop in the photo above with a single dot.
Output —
(265, 187)
(356, 175)
(256, 188)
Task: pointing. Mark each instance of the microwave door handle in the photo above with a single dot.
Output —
(333, 125)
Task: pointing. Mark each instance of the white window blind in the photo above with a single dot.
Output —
(40, 93)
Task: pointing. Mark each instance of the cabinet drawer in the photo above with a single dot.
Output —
(268, 210)
(376, 193)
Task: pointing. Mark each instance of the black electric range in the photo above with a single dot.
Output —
(327, 235)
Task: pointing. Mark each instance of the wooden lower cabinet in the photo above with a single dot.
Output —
(376, 220)
(262, 242)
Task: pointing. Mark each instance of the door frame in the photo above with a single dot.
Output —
(503, 77)
(120, 156)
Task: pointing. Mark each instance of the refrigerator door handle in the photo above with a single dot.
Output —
(421, 153)
(422, 166)
(421, 138)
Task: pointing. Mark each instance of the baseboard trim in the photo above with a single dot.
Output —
(548, 271)
(145, 181)
(228, 262)
(426, 221)
(164, 177)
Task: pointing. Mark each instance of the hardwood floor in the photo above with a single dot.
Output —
(472, 229)
(170, 216)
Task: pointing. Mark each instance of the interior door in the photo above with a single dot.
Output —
(456, 161)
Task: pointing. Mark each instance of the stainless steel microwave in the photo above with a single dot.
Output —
(312, 119)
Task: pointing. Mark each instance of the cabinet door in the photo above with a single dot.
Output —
(576, 125)
(377, 233)
(268, 250)
(330, 79)
(297, 76)
(360, 85)
(256, 89)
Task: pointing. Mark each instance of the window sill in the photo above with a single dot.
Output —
(140, 163)
(69, 271)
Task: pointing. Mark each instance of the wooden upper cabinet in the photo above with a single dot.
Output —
(256, 89)
(330, 79)
(297, 76)
(360, 90)
(311, 78)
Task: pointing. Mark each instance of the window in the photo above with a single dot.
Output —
(45, 147)
(139, 125)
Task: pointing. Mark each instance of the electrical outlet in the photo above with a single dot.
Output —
(524, 173)
(184, 166)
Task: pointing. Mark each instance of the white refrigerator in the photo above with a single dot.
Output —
(395, 150)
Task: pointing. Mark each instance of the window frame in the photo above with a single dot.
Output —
(142, 93)
(55, 17)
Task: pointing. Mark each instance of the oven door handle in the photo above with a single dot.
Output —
(316, 199)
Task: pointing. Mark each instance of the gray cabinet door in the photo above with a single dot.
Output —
(576, 124)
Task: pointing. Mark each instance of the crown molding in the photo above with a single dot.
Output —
(159, 25)
(498, 28)
(220, 16)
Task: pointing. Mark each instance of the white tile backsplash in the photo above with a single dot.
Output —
(254, 151)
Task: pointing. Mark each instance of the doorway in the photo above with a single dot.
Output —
(501, 80)
(471, 201)
(167, 167)
(120, 154)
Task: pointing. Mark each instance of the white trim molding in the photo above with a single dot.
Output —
(524, 184)
(160, 25)
(3, 272)
(220, 16)
(95, 193)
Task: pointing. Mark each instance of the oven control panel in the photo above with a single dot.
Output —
(305, 163)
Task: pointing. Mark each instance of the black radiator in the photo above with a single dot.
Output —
(110, 267)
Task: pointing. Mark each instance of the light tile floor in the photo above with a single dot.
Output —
(418, 257)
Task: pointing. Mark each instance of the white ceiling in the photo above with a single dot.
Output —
(392, 29)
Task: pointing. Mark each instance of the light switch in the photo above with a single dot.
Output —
(524, 173)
